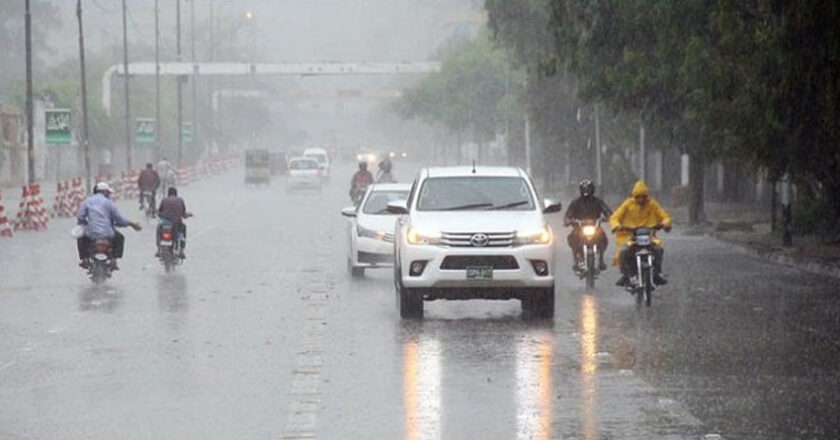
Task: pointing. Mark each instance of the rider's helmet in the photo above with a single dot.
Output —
(587, 188)
(102, 187)
(149, 166)
(172, 191)
(362, 166)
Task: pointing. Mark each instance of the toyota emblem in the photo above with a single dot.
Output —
(479, 240)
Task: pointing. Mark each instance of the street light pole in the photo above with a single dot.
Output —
(598, 172)
(84, 137)
(178, 79)
(194, 76)
(30, 132)
(127, 103)
(157, 81)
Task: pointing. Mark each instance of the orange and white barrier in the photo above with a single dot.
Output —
(5, 227)
(33, 214)
(130, 190)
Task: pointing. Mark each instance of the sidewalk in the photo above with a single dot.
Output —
(746, 228)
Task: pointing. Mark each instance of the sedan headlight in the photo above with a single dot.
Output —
(537, 236)
(419, 236)
(361, 231)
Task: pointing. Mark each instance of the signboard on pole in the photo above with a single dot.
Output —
(186, 131)
(145, 133)
(57, 126)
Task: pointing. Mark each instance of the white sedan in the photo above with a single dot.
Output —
(370, 229)
(303, 172)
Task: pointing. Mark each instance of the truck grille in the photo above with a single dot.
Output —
(465, 239)
(497, 262)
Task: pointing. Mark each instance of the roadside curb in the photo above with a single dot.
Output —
(778, 257)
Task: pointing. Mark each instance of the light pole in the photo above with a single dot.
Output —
(30, 132)
(194, 76)
(178, 80)
(127, 104)
(84, 137)
(157, 81)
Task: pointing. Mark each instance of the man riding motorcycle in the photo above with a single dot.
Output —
(587, 207)
(641, 210)
(384, 174)
(99, 215)
(360, 181)
(173, 210)
(168, 176)
(148, 181)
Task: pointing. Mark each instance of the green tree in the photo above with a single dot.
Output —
(470, 96)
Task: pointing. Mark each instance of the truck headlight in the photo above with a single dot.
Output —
(537, 236)
(419, 236)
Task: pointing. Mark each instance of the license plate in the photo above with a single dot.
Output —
(166, 243)
(479, 273)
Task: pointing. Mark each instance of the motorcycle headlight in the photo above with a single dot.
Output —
(589, 230)
(419, 236)
(537, 236)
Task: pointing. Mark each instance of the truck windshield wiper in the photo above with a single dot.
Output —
(469, 206)
(509, 205)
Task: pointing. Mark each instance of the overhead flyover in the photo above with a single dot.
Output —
(278, 69)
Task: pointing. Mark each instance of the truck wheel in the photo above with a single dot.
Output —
(411, 303)
(539, 303)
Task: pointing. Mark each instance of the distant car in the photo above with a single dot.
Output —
(303, 172)
(368, 156)
(397, 155)
(323, 159)
(370, 229)
(474, 232)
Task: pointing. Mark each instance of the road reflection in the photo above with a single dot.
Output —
(589, 367)
(421, 388)
(100, 297)
(534, 405)
(172, 292)
(520, 351)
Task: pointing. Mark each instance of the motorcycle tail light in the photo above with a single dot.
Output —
(167, 236)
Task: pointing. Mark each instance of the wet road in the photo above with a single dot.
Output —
(262, 335)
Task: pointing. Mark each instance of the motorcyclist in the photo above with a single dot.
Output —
(360, 181)
(149, 182)
(384, 174)
(167, 174)
(641, 210)
(99, 215)
(587, 207)
(173, 210)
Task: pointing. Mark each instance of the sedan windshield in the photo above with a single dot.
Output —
(475, 193)
(377, 203)
(304, 165)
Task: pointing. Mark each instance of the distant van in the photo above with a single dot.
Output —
(322, 157)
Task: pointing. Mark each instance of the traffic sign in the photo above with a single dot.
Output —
(57, 126)
(145, 131)
(186, 131)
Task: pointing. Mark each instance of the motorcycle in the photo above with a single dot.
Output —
(642, 248)
(100, 264)
(587, 264)
(147, 198)
(358, 192)
(170, 242)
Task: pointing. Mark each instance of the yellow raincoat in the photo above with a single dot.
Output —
(633, 215)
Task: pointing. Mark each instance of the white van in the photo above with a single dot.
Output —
(323, 159)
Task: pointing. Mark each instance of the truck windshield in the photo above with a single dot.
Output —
(475, 193)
